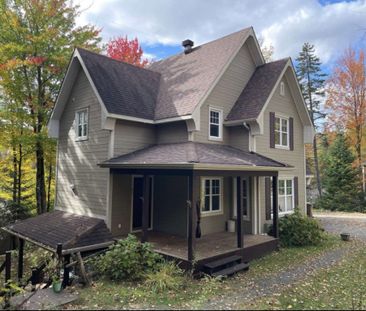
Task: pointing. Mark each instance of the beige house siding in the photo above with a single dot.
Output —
(239, 137)
(175, 132)
(77, 160)
(284, 105)
(131, 136)
(226, 92)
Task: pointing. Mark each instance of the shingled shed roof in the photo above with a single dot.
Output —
(254, 96)
(71, 230)
(190, 153)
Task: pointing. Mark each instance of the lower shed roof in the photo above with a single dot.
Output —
(71, 230)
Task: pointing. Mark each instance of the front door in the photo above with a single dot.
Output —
(137, 203)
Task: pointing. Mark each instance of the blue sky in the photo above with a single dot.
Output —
(161, 25)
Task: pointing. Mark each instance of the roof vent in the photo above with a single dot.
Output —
(188, 45)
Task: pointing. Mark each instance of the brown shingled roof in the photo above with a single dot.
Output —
(192, 152)
(71, 230)
(252, 99)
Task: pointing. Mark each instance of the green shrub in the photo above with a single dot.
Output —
(299, 230)
(128, 259)
(168, 277)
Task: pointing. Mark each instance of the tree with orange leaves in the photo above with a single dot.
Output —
(346, 99)
(128, 51)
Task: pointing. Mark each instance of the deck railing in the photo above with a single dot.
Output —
(6, 265)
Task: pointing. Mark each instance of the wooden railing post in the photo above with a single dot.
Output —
(191, 218)
(239, 212)
(7, 266)
(275, 206)
(145, 208)
(20, 259)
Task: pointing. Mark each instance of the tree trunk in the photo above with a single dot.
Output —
(49, 186)
(316, 164)
(20, 163)
(15, 177)
(40, 182)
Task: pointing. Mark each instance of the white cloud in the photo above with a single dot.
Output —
(286, 24)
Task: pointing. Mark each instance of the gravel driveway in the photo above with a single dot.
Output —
(339, 223)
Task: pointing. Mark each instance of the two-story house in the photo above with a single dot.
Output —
(191, 153)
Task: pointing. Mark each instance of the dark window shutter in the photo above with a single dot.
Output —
(291, 133)
(296, 191)
(272, 121)
(267, 196)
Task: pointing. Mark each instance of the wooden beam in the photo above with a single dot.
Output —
(275, 205)
(239, 213)
(7, 266)
(20, 259)
(192, 217)
(145, 209)
(66, 280)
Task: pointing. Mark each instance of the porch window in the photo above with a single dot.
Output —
(81, 122)
(245, 185)
(281, 132)
(285, 195)
(215, 124)
(211, 195)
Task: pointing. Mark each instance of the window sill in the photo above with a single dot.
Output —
(281, 214)
(81, 138)
(282, 147)
(213, 138)
(208, 214)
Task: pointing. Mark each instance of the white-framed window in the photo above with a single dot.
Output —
(282, 132)
(215, 124)
(286, 198)
(81, 124)
(282, 88)
(211, 195)
(245, 187)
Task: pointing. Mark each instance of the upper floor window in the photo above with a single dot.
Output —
(281, 132)
(81, 122)
(211, 195)
(215, 124)
(282, 88)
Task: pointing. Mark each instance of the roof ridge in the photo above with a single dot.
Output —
(116, 60)
(206, 43)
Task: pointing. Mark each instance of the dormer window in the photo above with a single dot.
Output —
(282, 88)
(215, 124)
(81, 124)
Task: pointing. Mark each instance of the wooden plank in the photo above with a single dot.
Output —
(20, 259)
(231, 270)
(7, 266)
(221, 262)
(239, 213)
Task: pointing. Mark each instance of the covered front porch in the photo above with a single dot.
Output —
(168, 192)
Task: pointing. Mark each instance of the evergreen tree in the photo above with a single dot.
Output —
(311, 80)
(342, 189)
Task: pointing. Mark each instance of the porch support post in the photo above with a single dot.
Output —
(145, 209)
(192, 217)
(66, 280)
(20, 259)
(275, 205)
(239, 213)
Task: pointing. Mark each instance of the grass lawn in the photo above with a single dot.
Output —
(105, 294)
(341, 287)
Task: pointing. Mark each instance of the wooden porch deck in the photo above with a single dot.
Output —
(211, 245)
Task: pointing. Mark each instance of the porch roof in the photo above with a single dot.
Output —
(74, 232)
(191, 155)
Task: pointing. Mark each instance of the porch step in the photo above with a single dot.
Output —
(211, 266)
(231, 270)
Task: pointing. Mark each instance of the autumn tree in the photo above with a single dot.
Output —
(311, 80)
(37, 38)
(128, 51)
(347, 98)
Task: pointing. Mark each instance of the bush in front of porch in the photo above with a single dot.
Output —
(299, 230)
(128, 259)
